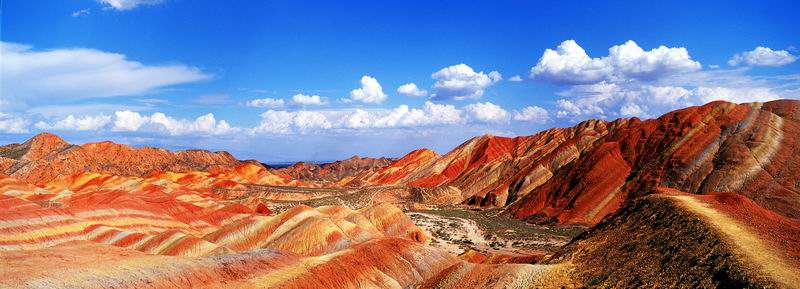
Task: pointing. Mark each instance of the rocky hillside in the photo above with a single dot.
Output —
(333, 172)
(46, 157)
(580, 174)
(673, 239)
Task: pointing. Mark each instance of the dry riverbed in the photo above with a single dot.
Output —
(459, 229)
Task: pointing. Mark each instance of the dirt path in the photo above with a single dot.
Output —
(750, 247)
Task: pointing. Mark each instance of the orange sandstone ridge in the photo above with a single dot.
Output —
(578, 175)
(705, 196)
(169, 230)
(47, 156)
(332, 172)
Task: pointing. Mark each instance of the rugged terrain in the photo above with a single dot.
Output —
(580, 174)
(332, 172)
(705, 196)
(47, 156)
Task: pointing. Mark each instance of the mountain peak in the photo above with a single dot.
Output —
(40, 146)
(46, 138)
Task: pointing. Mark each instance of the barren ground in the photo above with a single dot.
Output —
(458, 229)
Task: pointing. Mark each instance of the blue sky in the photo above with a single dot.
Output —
(302, 80)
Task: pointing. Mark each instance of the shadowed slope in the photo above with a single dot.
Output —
(681, 240)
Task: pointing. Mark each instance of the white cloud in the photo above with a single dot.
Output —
(63, 110)
(532, 114)
(515, 78)
(275, 122)
(88, 122)
(431, 114)
(12, 123)
(487, 112)
(302, 99)
(633, 82)
(461, 82)
(77, 73)
(370, 91)
(440, 114)
(127, 4)
(127, 120)
(411, 89)
(495, 76)
(632, 61)
(762, 56)
(740, 95)
(266, 103)
(82, 12)
(612, 100)
(206, 124)
(308, 120)
(631, 109)
(609, 100)
(569, 109)
(569, 64)
(304, 122)
(285, 122)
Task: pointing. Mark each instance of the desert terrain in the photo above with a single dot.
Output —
(705, 196)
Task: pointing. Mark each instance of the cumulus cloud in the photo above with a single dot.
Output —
(487, 112)
(630, 81)
(302, 99)
(10, 123)
(159, 122)
(431, 114)
(127, 4)
(127, 120)
(370, 91)
(266, 103)
(304, 122)
(461, 82)
(605, 100)
(495, 76)
(411, 89)
(30, 75)
(532, 114)
(737, 95)
(569, 64)
(762, 56)
(84, 123)
(285, 122)
(609, 100)
(515, 78)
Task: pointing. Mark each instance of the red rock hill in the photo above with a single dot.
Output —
(46, 157)
(580, 174)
